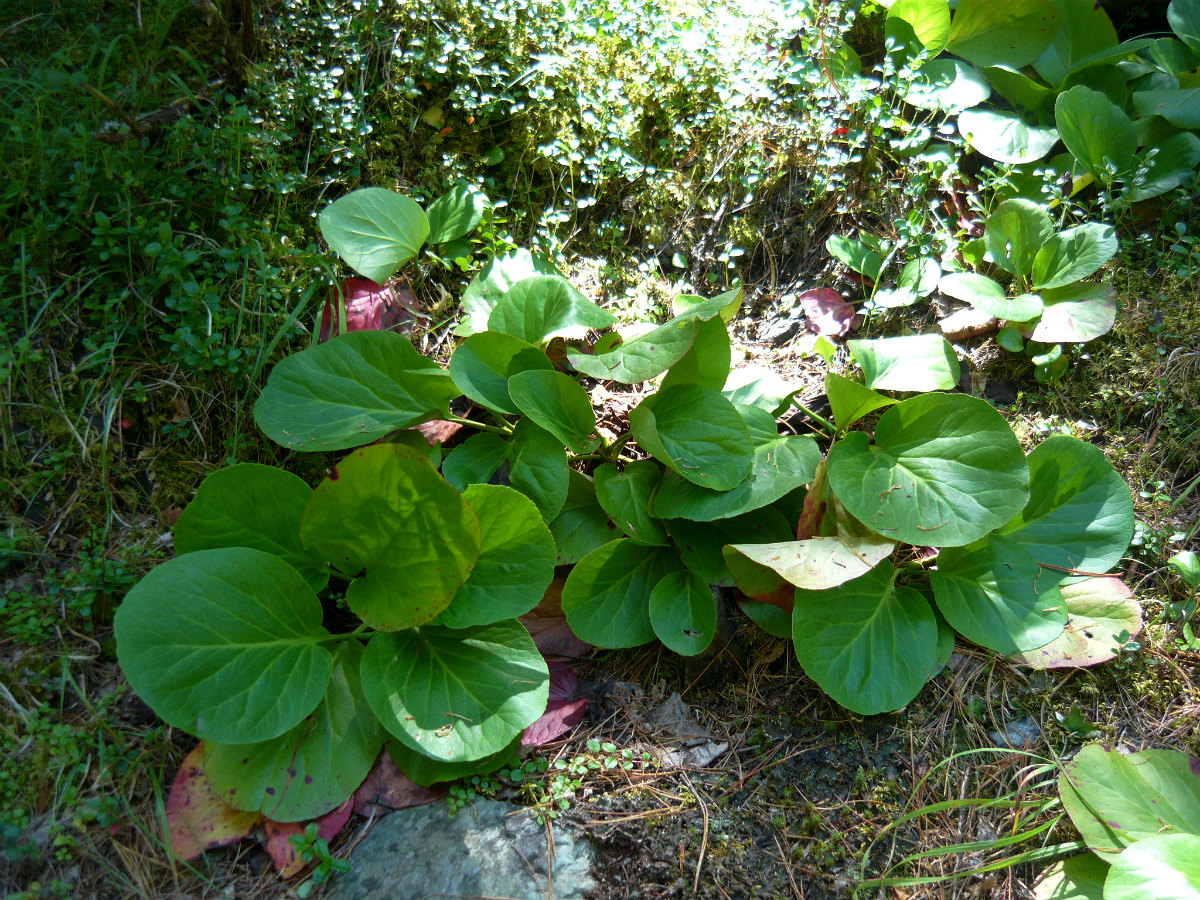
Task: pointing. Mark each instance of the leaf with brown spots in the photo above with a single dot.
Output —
(196, 817)
(279, 846)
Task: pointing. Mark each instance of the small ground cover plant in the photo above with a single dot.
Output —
(299, 629)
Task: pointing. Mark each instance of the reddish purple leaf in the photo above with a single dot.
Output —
(387, 788)
(196, 817)
(287, 861)
(438, 431)
(827, 313)
(369, 307)
(559, 718)
(563, 680)
(548, 626)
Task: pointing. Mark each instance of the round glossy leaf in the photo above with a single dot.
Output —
(516, 561)
(1013, 33)
(1096, 131)
(870, 645)
(760, 387)
(770, 618)
(556, 403)
(1079, 877)
(1187, 566)
(949, 85)
(1184, 18)
(486, 288)
(1167, 161)
(1073, 254)
(1004, 136)
(544, 307)
(1083, 29)
(820, 562)
(607, 593)
(698, 433)
(850, 401)
(855, 255)
(1015, 232)
(929, 19)
(643, 357)
(1117, 801)
(1165, 867)
(456, 695)
(1179, 107)
(917, 362)
(388, 511)
(582, 525)
(251, 505)
(781, 464)
(1076, 313)
(989, 297)
(700, 543)
(480, 368)
(625, 496)
(945, 470)
(538, 468)
(1098, 611)
(707, 362)
(375, 231)
(350, 391)
(996, 595)
(225, 644)
(684, 613)
(1020, 90)
(455, 213)
(1080, 511)
(920, 275)
(475, 460)
(311, 769)
(426, 771)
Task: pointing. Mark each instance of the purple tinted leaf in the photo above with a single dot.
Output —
(369, 307)
(827, 313)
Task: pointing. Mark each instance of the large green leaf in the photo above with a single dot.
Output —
(625, 496)
(850, 401)
(869, 644)
(725, 305)
(1017, 88)
(949, 85)
(643, 357)
(759, 386)
(782, 463)
(1073, 254)
(475, 460)
(698, 433)
(1080, 511)
(456, 695)
(374, 230)
(481, 367)
(251, 505)
(1116, 801)
(1076, 313)
(1005, 136)
(388, 511)
(820, 562)
(1179, 107)
(989, 297)
(1013, 33)
(538, 467)
(707, 362)
(350, 391)
(683, 613)
(856, 256)
(1083, 29)
(1096, 131)
(493, 282)
(918, 362)
(945, 470)
(1167, 161)
(606, 596)
(1184, 19)
(516, 560)
(455, 213)
(426, 771)
(1079, 877)
(225, 644)
(700, 543)
(542, 307)
(1165, 867)
(929, 20)
(557, 403)
(995, 594)
(1015, 232)
(1099, 610)
(305, 772)
(582, 525)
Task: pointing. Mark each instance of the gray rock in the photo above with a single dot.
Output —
(1018, 734)
(489, 849)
